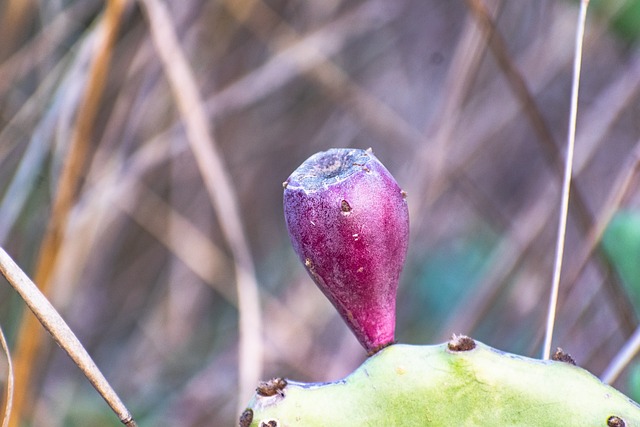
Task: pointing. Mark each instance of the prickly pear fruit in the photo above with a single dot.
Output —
(446, 385)
(349, 224)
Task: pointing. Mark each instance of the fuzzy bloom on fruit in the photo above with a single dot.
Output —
(349, 224)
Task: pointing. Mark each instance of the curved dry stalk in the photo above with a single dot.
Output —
(566, 183)
(219, 186)
(8, 405)
(62, 334)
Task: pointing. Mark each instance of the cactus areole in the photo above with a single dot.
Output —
(461, 383)
(349, 224)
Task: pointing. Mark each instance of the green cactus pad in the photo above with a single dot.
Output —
(456, 384)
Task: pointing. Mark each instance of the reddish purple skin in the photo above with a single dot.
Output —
(349, 224)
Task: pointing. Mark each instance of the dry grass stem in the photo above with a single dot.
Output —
(15, 15)
(300, 56)
(61, 333)
(509, 254)
(40, 48)
(29, 337)
(175, 207)
(17, 192)
(622, 306)
(184, 240)
(612, 102)
(219, 186)
(619, 190)
(462, 71)
(372, 112)
(566, 182)
(622, 359)
(617, 98)
(521, 90)
(543, 60)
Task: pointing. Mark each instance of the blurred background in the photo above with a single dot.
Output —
(165, 248)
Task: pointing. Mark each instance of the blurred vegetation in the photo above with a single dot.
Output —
(621, 242)
(145, 272)
(624, 18)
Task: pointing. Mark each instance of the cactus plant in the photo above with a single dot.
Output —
(328, 200)
(446, 385)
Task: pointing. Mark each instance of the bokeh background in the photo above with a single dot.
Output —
(166, 251)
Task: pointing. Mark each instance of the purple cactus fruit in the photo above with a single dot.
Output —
(349, 224)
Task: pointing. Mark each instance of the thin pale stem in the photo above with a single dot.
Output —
(62, 334)
(8, 404)
(622, 359)
(566, 182)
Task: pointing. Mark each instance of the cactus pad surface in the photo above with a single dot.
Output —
(447, 385)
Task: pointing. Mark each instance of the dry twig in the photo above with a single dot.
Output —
(62, 334)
